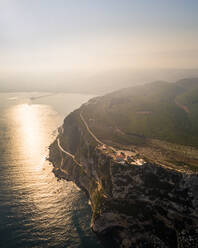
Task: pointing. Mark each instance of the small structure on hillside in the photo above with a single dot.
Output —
(129, 159)
(104, 147)
(123, 154)
(120, 157)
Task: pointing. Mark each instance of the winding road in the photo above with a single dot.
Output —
(92, 134)
(183, 107)
(67, 153)
(88, 129)
(73, 157)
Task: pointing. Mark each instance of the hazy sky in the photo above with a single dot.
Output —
(76, 37)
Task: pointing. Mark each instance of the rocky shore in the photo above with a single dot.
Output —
(133, 205)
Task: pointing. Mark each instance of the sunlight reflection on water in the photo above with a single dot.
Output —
(35, 209)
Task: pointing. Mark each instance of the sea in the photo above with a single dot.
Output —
(37, 210)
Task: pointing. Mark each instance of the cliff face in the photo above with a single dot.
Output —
(133, 205)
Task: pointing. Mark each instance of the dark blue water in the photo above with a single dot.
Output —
(36, 210)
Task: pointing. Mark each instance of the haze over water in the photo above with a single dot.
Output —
(36, 210)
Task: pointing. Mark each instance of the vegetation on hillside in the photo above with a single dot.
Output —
(160, 110)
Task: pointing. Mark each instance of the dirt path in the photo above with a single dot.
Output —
(184, 107)
(88, 129)
(67, 153)
(73, 157)
(92, 134)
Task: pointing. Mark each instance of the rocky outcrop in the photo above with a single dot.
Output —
(133, 205)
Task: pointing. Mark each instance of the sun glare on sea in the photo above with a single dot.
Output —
(29, 132)
(32, 130)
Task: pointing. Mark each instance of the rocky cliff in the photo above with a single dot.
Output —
(133, 205)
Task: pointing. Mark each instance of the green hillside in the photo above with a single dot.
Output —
(159, 110)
